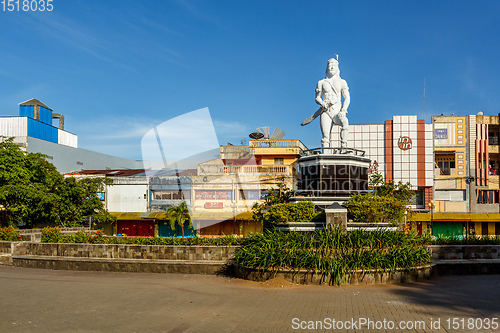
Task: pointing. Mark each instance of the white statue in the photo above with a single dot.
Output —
(329, 93)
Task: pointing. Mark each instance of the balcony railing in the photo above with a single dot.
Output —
(277, 144)
(244, 169)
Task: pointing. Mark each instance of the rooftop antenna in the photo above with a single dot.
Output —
(268, 133)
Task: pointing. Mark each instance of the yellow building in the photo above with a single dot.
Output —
(466, 176)
(226, 188)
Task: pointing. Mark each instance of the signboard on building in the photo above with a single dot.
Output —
(441, 133)
(214, 205)
(404, 143)
(213, 195)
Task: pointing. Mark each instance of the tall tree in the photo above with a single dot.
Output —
(34, 192)
(179, 215)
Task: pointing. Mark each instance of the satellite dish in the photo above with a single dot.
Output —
(256, 135)
(268, 133)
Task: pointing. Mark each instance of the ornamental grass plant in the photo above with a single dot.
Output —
(333, 253)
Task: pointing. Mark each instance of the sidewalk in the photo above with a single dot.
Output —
(35, 300)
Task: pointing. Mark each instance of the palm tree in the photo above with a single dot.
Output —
(179, 215)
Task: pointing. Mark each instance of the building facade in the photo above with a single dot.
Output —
(220, 192)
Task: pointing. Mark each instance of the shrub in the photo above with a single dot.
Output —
(9, 234)
(51, 235)
(373, 208)
(291, 212)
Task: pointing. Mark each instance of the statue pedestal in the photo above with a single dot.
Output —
(332, 177)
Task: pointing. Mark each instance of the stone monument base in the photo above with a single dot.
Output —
(332, 175)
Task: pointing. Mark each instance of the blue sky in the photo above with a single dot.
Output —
(117, 68)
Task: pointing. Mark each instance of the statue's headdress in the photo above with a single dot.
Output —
(336, 59)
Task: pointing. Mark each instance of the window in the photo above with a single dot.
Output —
(279, 161)
(213, 195)
(445, 163)
(487, 196)
(493, 138)
(249, 194)
(418, 198)
(169, 195)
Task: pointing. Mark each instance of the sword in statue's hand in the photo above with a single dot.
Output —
(314, 116)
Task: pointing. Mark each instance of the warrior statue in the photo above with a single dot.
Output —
(329, 93)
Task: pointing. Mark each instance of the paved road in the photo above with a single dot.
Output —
(33, 300)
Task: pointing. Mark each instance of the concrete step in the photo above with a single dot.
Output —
(123, 265)
(5, 259)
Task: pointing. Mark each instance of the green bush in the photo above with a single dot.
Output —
(374, 208)
(51, 235)
(469, 240)
(81, 236)
(9, 234)
(302, 211)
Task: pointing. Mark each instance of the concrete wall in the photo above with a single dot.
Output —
(458, 252)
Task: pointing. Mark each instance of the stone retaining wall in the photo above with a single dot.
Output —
(175, 252)
(353, 278)
(460, 252)
(6, 247)
(123, 251)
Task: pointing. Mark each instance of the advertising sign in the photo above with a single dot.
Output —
(214, 205)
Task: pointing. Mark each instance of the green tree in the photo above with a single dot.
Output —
(34, 192)
(273, 197)
(388, 203)
(179, 215)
